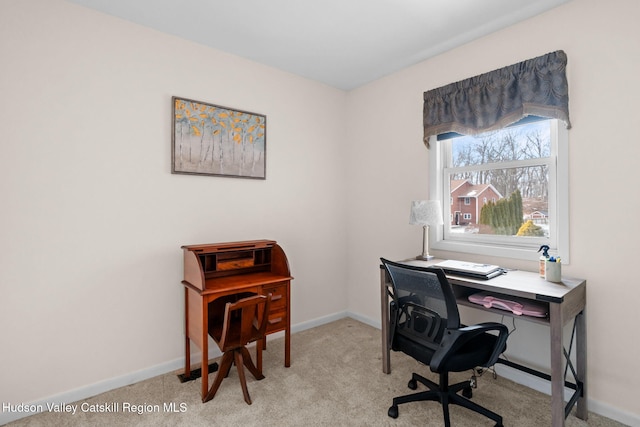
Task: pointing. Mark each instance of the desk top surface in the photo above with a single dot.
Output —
(516, 283)
(239, 282)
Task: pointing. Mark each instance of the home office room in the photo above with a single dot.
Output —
(103, 221)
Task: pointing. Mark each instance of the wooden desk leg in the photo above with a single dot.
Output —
(581, 362)
(384, 320)
(187, 358)
(204, 367)
(187, 340)
(557, 370)
(287, 346)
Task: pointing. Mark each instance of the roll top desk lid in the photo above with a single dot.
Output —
(230, 246)
(206, 263)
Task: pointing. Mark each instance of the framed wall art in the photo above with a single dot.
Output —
(209, 139)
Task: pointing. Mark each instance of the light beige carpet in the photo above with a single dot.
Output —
(335, 379)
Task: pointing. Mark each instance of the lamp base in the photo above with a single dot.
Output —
(425, 257)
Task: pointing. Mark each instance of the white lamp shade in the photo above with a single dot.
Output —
(426, 212)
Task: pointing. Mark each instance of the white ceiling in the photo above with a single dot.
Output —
(343, 43)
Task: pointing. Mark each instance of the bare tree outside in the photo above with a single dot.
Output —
(512, 160)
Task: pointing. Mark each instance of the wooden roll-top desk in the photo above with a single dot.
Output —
(215, 274)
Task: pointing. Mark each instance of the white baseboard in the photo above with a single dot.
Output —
(319, 321)
(91, 390)
(374, 323)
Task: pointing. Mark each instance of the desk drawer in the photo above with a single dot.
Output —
(277, 321)
(278, 297)
(279, 310)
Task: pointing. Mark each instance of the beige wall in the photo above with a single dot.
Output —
(92, 219)
(601, 41)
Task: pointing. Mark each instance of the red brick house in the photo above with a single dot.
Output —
(467, 200)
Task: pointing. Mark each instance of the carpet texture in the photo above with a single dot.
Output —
(335, 379)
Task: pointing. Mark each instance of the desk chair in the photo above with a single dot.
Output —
(244, 321)
(425, 324)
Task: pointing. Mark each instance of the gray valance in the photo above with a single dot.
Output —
(498, 98)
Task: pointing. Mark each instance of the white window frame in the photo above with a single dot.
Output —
(488, 245)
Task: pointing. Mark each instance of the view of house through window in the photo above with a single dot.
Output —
(500, 187)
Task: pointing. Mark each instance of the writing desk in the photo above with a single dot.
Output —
(565, 301)
(220, 272)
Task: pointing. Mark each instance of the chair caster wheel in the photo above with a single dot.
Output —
(393, 411)
(413, 384)
(499, 425)
(468, 393)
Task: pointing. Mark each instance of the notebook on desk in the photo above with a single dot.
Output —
(470, 269)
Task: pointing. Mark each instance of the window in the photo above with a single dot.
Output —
(508, 188)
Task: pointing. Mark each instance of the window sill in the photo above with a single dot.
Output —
(514, 252)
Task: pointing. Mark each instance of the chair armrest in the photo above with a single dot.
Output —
(453, 339)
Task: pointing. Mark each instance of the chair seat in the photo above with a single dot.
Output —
(467, 357)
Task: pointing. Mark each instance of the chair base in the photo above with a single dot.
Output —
(242, 358)
(444, 394)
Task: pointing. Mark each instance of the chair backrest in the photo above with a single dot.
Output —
(423, 303)
(245, 321)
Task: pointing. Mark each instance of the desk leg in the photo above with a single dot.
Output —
(557, 370)
(204, 366)
(581, 362)
(187, 344)
(384, 319)
(287, 346)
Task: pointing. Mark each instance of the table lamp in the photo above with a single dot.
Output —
(425, 213)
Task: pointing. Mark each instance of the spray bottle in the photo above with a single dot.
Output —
(543, 258)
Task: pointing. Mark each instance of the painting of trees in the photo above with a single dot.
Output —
(214, 140)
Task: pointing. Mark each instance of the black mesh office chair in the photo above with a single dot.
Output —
(425, 324)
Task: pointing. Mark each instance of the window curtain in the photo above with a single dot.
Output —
(493, 100)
